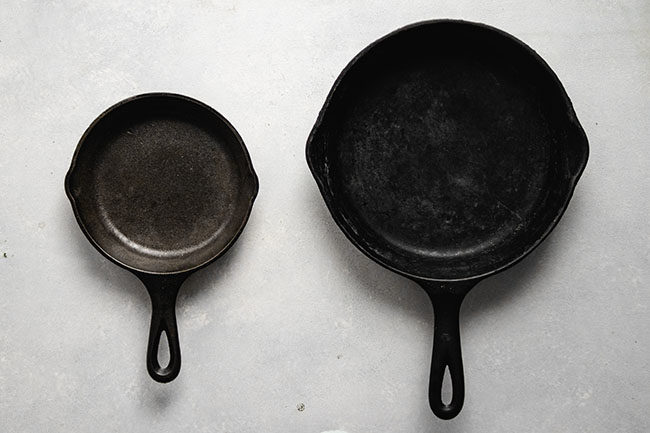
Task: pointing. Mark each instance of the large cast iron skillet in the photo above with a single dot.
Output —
(447, 151)
(162, 185)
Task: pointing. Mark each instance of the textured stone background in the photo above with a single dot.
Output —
(294, 315)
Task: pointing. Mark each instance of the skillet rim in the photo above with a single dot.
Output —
(346, 228)
(178, 97)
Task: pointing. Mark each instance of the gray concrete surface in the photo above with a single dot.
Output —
(294, 314)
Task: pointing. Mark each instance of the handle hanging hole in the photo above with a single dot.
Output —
(163, 355)
(446, 392)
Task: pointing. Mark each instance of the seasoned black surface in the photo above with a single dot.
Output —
(446, 151)
(162, 186)
(443, 159)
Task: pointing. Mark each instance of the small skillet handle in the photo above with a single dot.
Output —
(446, 299)
(163, 290)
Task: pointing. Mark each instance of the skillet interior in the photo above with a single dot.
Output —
(447, 150)
(161, 183)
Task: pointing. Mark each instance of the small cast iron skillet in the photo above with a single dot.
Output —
(162, 185)
(447, 151)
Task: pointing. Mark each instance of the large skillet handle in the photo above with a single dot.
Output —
(446, 299)
(163, 290)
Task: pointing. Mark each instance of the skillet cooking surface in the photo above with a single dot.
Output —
(162, 184)
(447, 159)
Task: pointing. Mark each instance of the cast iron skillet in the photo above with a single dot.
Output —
(162, 185)
(447, 151)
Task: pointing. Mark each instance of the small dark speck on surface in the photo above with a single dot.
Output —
(300, 407)
(339, 356)
(4, 255)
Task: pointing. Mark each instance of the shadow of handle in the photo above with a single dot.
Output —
(446, 354)
(163, 291)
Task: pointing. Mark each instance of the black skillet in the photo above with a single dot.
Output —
(446, 152)
(162, 185)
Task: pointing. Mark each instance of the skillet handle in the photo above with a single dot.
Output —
(446, 354)
(163, 291)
